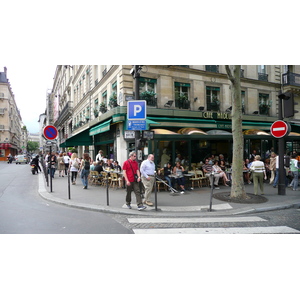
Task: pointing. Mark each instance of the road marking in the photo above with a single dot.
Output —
(230, 230)
(187, 208)
(195, 220)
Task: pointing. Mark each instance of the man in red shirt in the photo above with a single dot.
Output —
(130, 171)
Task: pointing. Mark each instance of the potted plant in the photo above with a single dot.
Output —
(264, 108)
(113, 100)
(103, 107)
(183, 101)
(149, 96)
(96, 112)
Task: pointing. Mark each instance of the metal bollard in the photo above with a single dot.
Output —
(211, 191)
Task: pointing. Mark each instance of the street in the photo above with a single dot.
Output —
(22, 210)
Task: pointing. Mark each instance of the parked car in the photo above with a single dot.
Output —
(21, 159)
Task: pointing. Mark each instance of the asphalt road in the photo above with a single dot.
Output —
(22, 210)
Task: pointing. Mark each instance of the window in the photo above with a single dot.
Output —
(182, 95)
(264, 104)
(213, 98)
(147, 89)
(214, 69)
(262, 73)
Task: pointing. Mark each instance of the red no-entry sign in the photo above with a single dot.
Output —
(50, 132)
(279, 129)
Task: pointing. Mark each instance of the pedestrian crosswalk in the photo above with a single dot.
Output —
(221, 225)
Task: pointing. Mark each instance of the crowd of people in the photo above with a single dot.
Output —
(140, 180)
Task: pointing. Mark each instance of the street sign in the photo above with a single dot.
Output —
(129, 134)
(136, 110)
(50, 132)
(136, 125)
(279, 129)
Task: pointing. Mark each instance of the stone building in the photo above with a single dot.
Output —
(10, 120)
(188, 108)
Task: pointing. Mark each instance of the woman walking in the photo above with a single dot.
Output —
(294, 169)
(74, 167)
(85, 170)
(259, 174)
(60, 165)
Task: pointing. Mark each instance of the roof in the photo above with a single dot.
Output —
(3, 77)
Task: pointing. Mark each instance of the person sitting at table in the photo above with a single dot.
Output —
(168, 170)
(178, 172)
(108, 165)
(246, 172)
(117, 167)
(207, 169)
(99, 167)
(218, 170)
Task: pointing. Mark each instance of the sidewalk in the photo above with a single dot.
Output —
(193, 203)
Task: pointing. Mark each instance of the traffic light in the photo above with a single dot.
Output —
(288, 106)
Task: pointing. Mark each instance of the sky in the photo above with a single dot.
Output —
(30, 83)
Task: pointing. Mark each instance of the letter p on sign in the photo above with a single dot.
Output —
(136, 110)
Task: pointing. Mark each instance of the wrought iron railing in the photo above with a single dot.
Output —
(291, 79)
(262, 76)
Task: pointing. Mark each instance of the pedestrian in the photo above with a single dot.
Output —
(131, 174)
(74, 167)
(52, 164)
(258, 174)
(66, 161)
(272, 166)
(61, 165)
(294, 169)
(85, 170)
(148, 177)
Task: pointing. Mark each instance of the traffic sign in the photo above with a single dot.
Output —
(280, 129)
(50, 132)
(136, 110)
(136, 125)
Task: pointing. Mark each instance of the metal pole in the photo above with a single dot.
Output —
(136, 97)
(211, 191)
(155, 191)
(107, 192)
(281, 143)
(69, 189)
(50, 169)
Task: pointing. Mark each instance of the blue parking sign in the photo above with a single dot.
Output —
(136, 110)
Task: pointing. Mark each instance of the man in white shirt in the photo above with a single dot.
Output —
(99, 156)
(147, 170)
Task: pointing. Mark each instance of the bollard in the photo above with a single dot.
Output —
(155, 191)
(107, 192)
(69, 189)
(211, 191)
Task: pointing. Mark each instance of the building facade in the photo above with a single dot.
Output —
(188, 108)
(10, 120)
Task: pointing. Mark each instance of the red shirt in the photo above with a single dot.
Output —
(128, 169)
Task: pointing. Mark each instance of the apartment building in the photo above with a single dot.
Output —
(10, 120)
(188, 108)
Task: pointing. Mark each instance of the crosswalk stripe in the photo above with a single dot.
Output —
(187, 208)
(195, 220)
(230, 230)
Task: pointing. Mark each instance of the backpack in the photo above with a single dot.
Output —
(87, 165)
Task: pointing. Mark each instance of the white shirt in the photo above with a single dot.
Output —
(147, 168)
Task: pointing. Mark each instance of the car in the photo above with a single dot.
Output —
(21, 159)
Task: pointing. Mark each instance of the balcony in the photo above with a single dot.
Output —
(262, 76)
(291, 79)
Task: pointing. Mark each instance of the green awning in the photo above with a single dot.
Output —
(80, 139)
(63, 145)
(105, 126)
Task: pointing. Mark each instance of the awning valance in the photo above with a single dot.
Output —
(103, 127)
(80, 139)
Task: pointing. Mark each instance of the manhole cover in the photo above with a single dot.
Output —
(251, 198)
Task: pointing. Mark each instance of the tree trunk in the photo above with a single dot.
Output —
(237, 187)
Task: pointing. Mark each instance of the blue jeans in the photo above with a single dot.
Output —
(294, 182)
(84, 177)
(275, 183)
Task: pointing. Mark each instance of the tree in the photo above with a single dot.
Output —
(32, 146)
(237, 187)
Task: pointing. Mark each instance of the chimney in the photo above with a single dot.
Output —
(5, 70)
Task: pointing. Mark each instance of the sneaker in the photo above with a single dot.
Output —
(295, 189)
(148, 203)
(128, 206)
(216, 187)
(141, 207)
(182, 192)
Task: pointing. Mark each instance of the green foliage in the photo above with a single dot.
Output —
(32, 146)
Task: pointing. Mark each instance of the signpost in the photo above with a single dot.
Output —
(279, 129)
(50, 133)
